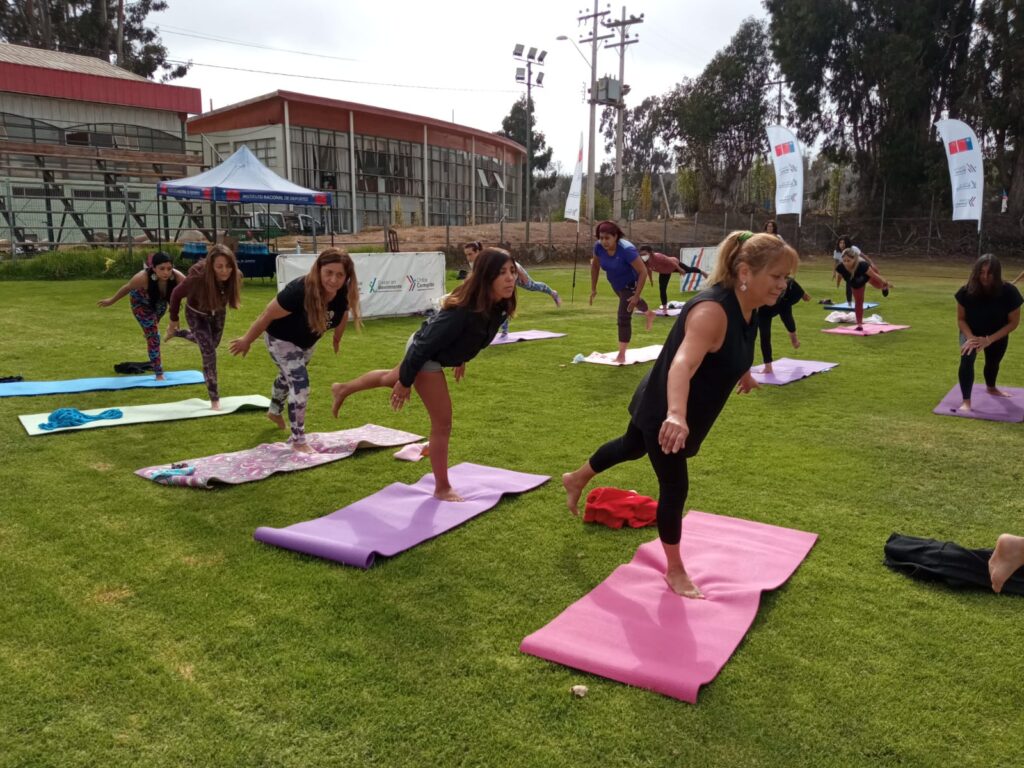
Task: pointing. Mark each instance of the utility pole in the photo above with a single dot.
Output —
(531, 58)
(594, 37)
(624, 40)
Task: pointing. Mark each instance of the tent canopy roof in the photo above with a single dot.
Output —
(242, 178)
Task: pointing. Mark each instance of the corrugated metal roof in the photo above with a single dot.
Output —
(65, 62)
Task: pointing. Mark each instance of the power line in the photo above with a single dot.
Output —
(230, 41)
(342, 80)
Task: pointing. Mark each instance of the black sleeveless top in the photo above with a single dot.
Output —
(712, 382)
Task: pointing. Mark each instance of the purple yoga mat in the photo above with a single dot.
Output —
(634, 629)
(264, 460)
(524, 336)
(870, 329)
(786, 371)
(983, 405)
(399, 516)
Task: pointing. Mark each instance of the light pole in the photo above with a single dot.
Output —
(525, 74)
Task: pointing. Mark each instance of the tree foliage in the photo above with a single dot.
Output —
(513, 126)
(717, 120)
(871, 78)
(91, 29)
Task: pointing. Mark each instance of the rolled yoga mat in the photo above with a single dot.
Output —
(140, 414)
(514, 336)
(632, 628)
(786, 371)
(399, 516)
(171, 379)
(869, 329)
(983, 405)
(267, 459)
(638, 355)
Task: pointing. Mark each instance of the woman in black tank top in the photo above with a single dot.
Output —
(708, 352)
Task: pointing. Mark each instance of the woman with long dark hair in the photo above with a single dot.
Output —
(149, 292)
(707, 353)
(294, 321)
(467, 323)
(987, 312)
(212, 285)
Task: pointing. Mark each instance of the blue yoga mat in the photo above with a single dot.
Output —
(847, 307)
(172, 379)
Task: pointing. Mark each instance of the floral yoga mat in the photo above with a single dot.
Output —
(267, 459)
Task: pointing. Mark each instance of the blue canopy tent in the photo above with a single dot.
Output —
(242, 178)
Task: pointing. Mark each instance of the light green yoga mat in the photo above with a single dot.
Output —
(139, 414)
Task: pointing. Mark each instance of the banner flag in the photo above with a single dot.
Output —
(572, 202)
(963, 152)
(789, 170)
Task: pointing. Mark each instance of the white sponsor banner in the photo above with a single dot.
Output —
(963, 152)
(789, 170)
(572, 202)
(702, 258)
(389, 283)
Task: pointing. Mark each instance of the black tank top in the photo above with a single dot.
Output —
(713, 380)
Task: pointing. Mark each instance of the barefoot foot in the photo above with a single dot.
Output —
(277, 418)
(995, 392)
(215, 405)
(965, 406)
(303, 448)
(447, 494)
(649, 314)
(160, 377)
(794, 341)
(767, 370)
(680, 583)
(339, 392)
(1006, 559)
(620, 359)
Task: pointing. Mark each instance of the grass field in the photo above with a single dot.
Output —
(142, 625)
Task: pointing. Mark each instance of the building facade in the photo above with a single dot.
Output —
(384, 167)
(82, 147)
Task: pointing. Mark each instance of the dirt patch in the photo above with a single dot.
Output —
(112, 596)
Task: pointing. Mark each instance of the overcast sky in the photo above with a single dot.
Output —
(447, 60)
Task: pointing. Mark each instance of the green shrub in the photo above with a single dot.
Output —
(93, 263)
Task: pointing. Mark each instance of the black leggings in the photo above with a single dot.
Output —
(670, 469)
(993, 357)
(663, 281)
(764, 329)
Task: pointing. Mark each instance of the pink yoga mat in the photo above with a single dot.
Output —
(524, 336)
(638, 355)
(399, 516)
(265, 460)
(983, 405)
(786, 371)
(633, 629)
(870, 329)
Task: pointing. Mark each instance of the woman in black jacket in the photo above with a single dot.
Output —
(467, 323)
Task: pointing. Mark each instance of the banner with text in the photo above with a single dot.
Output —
(963, 152)
(789, 170)
(389, 283)
(572, 202)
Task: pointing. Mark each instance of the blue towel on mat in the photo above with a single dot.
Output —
(72, 417)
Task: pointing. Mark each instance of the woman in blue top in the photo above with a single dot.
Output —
(626, 272)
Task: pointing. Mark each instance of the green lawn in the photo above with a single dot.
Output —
(142, 625)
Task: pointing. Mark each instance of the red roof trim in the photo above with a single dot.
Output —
(38, 81)
(195, 124)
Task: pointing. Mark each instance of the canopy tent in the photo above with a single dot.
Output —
(242, 178)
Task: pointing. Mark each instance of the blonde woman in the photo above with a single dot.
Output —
(294, 321)
(707, 353)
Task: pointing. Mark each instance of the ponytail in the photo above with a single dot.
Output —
(757, 251)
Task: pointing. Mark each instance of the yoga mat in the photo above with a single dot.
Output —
(670, 312)
(870, 329)
(851, 317)
(399, 516)
(265, 460)
(632, 628)
(849, 306)
(524, 336)
(637, 355)
(139, 414)
(172, 379)
(411, 452)
(983, 405)
(786, 371)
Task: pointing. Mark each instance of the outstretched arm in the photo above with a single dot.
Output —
(274, 311)
(137, 282)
